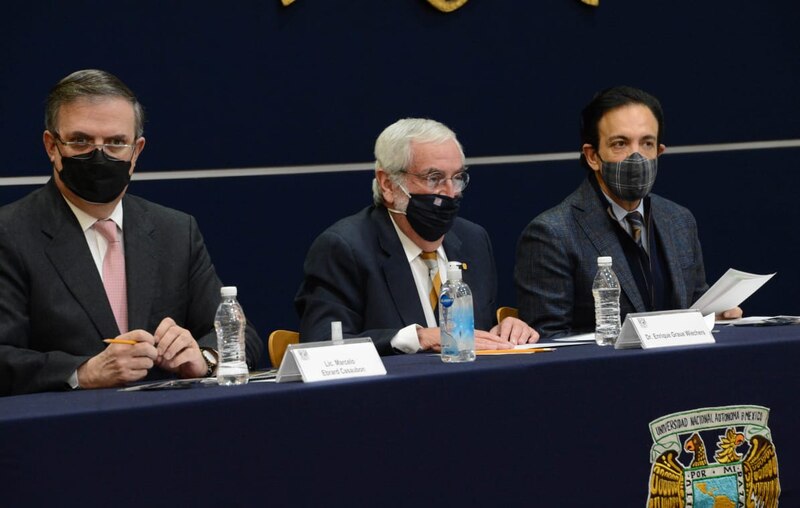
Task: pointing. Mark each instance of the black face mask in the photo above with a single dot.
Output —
(431, 215)
(96, 178)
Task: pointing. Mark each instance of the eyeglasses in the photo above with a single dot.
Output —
(436, 179)
(79, 148)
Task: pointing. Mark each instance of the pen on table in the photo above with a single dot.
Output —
(120, 341)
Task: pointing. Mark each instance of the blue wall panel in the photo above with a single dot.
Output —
(253, 84)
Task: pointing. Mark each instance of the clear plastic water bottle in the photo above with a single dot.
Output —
(606, 303)
(230, 323)
(456, 318)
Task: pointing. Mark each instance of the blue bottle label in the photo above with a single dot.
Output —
(446, 300)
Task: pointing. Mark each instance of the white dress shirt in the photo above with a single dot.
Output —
(96, 242)
(406, 340)
(98, 246)
(620, 213)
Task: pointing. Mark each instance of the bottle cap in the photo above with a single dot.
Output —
(228, 291)
(604, 260)
(454, 270)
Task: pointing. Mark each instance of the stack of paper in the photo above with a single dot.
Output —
(730, 291)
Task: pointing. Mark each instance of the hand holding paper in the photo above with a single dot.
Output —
(730, 291)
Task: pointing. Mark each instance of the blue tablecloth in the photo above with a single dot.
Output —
(567, 428)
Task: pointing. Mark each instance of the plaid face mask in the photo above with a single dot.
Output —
(630, 179)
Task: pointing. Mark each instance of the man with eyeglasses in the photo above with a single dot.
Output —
(82, 262)
(374, 271)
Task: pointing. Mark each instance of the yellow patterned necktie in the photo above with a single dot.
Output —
(432, 262)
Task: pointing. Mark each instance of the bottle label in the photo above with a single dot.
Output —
(446, 300)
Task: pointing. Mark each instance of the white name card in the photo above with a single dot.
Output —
(664, 329)
(326, 361)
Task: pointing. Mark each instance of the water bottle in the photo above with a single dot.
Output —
(230, 323)
(456, 318)
(606, 303)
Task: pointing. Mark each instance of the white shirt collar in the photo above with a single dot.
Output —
(87, 221)
(411, 249)
(619, 212)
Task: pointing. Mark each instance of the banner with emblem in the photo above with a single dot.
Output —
(451, 5)
(740, 471)
(442, 5)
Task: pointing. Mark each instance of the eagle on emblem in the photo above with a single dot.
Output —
(759, 468)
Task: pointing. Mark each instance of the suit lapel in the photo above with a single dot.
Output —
(452, 247)
(594, 221)
(671, 254)
(71, 259)
(140, 263)
(399, 279)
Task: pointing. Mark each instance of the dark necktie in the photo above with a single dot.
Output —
(637, 224)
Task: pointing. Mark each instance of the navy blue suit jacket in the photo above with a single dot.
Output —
(557, 261)
(356, 272)
(54, 313)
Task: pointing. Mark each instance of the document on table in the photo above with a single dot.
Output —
(762, 321)
(256, 376)
(730, 291)
(171, 384)
(582, 337)
(516, 351)
(572, 340)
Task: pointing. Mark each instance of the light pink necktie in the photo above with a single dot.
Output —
(114, 273)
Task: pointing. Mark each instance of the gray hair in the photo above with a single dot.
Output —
(89, 84)
(393, 152)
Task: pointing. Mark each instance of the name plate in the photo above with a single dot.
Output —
(664, 329)
(326, 361)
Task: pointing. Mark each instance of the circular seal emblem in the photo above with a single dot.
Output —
(447, 5)
(446, 300)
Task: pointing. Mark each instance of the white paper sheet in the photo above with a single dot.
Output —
(553, 344)
(761, 321)
(730, 291)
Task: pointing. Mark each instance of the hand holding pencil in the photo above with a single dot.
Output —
(127, 358)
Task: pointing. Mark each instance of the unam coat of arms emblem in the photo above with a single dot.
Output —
(741, 473)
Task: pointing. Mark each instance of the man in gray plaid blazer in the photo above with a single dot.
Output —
(653, 242)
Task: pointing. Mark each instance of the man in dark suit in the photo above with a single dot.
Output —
(72, 273)
(653, 242)
(369, 270)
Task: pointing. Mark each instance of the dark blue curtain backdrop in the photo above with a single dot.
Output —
(254, 84)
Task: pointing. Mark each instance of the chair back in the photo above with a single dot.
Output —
(504, 312)
(279, 340)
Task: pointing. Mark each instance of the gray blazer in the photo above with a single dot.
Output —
(54, 313)
(557, 260)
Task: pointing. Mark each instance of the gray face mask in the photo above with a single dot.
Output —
(630, 179)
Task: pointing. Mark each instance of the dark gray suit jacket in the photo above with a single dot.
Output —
(557, 261)
(54, 313)
(356, 272)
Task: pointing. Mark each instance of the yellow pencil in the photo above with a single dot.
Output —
(119, 341)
